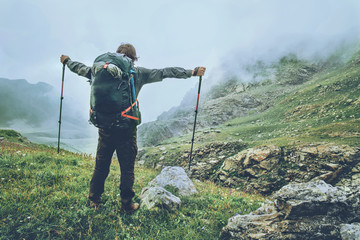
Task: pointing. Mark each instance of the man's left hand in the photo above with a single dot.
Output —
(199, 71)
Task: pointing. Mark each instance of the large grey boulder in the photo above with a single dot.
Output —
(313, 210)
(311, 199)
(176, 179)
(155, 198)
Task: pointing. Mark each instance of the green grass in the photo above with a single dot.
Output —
(12, 136)
(43, 195)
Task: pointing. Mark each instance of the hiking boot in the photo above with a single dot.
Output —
(127, 206)
(95, 205)
(94, 201)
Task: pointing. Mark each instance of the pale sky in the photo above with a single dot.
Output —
(186, 33)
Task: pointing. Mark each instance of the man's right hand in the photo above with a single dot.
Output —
(64, 59)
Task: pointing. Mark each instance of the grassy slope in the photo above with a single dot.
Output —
(326, 109)
(328, 103)
(43, 195)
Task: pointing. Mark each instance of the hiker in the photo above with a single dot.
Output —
(118, 132)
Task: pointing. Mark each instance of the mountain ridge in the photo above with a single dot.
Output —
(234, 97)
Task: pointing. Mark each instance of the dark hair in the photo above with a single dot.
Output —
(128, 50)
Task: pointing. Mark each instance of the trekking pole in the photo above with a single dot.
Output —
(61, 99)
(196, 111)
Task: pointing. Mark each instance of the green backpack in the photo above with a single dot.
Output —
(113, 102)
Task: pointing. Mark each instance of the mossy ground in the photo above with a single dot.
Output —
(44, 196)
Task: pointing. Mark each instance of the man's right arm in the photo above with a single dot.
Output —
(79, 68)
(76, 67)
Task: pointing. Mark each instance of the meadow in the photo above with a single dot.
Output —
(43, 195)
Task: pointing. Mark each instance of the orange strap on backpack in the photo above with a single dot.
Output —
(123, 113)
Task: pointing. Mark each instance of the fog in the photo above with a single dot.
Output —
(222, 35)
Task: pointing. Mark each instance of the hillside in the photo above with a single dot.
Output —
(234, 98)
(300, 112)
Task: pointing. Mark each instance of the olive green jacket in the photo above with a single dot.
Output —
(142, 75)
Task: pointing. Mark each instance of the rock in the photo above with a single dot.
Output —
(350, 231)
(355, 179)
(331, 166)
(314, 210)
(256, 155)
(154, 198)
(231, 164)
(312, 198)
(177, 178)
(250, 172)
(156, 195)
(247, 227)
(240, 88)
(141, 163)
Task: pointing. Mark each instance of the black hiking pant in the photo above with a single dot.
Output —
(124, 142)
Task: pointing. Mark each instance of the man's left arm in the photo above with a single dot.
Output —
(156, 75)
(76, 67)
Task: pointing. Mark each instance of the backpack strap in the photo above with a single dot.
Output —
(134, 100)
(132, 86)
(123, 113)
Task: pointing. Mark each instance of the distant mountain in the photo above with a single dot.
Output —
(33, 110)
(23, 101)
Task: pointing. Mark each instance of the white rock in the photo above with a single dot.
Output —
(154, 198)
(175, 177)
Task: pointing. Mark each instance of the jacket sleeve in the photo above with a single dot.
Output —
(145, 75)
(79, 68)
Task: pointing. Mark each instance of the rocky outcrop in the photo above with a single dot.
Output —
(207, 157)
(266, 169)
(313, 210)
(217, 111)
